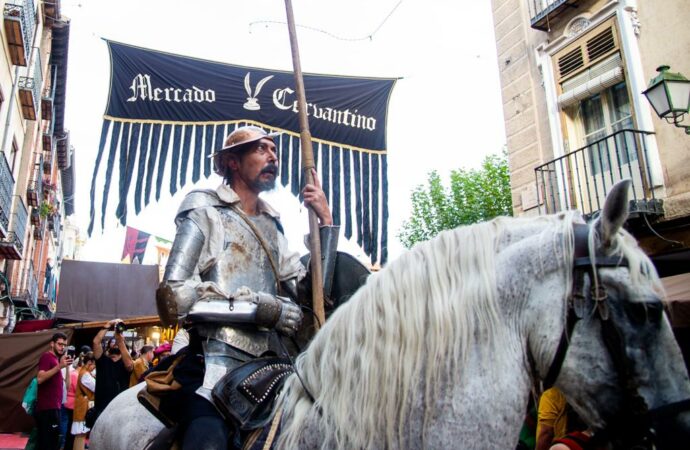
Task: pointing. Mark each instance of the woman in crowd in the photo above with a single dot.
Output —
(83, 400)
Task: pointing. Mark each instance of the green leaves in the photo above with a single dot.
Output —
(473, 196)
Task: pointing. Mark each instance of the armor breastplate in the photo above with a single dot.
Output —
(243, 261)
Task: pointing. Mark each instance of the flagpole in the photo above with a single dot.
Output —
(307, 165)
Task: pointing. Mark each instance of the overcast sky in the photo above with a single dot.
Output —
(445, 112)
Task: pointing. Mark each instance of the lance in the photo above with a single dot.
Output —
(307, 164)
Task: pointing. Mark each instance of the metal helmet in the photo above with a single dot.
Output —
(236, 140)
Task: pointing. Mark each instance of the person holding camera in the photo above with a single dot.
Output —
(113, 365)
(51, 392)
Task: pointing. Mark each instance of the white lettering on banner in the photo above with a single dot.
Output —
(142, 89)
(347, 117)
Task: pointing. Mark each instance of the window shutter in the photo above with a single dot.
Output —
(591, 48)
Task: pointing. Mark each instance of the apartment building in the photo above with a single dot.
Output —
(36, 159)
(572, 75)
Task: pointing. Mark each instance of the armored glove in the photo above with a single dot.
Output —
(271, 312)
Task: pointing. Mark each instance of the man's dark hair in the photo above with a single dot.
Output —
(146, 349)
(58, 335)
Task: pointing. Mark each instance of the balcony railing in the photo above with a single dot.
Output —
(20, 24)
(48, 98)
(34, 191)
(39, 231)
(26, 290)
(13, 245)
(582, 178)
(30, 90)
(6, 188)
(542, 12)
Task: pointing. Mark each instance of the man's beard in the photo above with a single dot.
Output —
(261, 185)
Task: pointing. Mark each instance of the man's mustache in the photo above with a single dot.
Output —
(270, 168)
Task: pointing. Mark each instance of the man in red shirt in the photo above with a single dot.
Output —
(50, 392)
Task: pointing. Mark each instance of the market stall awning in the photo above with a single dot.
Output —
(93, 292)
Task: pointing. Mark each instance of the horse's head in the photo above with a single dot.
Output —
(617, 361)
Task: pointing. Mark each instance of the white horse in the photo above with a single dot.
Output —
(441, 348)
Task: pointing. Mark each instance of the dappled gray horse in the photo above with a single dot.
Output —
(440, 349)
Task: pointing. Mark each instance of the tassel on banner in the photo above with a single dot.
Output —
(92, 194)
(198, 147)
(374, 251)
(142, 150)
(162, 158)
(335, 174)
(384, 209)
(186, 151)
(347, 187)
(114, 139)
(326, 172)
(366, 204)
(150, 167)
(175, 161)
(358, 197)
(141, 169)
(208, 149)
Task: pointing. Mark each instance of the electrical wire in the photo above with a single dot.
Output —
(369, 36)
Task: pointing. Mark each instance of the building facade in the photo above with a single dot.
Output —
(36, 159)
(572, 75)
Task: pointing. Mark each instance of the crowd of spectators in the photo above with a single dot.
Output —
(74, 389)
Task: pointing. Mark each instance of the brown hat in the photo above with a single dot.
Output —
(238, 138)
(244, 135)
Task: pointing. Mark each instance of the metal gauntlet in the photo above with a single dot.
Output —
(272, 312)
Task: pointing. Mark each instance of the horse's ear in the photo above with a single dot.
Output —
(615, 212)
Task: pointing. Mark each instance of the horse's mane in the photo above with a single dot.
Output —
(410, 325)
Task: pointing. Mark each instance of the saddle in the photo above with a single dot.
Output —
(246, 394)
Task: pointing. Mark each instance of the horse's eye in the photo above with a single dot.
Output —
(654, 311)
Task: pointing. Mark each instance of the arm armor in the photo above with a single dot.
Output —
(177, 292)
(329, 252)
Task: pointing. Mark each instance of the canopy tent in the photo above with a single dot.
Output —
(92, 292)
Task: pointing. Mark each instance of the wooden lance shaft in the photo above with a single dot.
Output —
(307, 165)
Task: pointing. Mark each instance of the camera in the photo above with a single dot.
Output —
(71, 351)
(119, 327)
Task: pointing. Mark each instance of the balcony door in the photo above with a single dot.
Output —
(611, 152)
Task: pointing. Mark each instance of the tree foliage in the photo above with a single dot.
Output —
(474, 196)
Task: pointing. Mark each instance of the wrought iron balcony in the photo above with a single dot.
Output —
(13, 245)
(35, 217)
(582, 178)
(34, 193)
(542, 12)
(48, 165)
(20, 24)
(30, 90)
(39, 231)
(51, 11)
(48, 98)
(6, 189)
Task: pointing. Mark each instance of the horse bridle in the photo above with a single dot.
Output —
(637, 416)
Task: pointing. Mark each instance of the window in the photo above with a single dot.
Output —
(604, 114)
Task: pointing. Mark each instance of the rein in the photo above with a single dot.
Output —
(637, 417)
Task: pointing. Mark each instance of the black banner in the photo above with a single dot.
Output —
(166, 110)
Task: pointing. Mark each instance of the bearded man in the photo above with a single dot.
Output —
(227, 265)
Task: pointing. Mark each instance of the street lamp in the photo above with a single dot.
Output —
(669, 94)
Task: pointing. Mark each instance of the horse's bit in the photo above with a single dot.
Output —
(637, 417)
